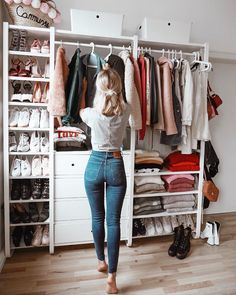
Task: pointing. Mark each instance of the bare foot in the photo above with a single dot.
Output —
(111, 284)
(102, 266)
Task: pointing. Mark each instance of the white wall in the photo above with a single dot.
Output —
(213, 21)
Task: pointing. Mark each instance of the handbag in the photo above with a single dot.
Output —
(213, 102)
(210, 190)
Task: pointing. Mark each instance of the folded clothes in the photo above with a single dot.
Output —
(177, 157)
(149, 160)
(186, 204)
(172, 210)
(147, 203)
(170, 178)
(156, 179)
(182, 180)
(139, 201)
(179, 185)
(183, 168)
(149, 187)
(173, 199)
(141, 166)
(184, 163)
(147, 170)
(144, 153)
(182, 189)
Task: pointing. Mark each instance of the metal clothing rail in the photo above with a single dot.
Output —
(163, 51)
(78, 44)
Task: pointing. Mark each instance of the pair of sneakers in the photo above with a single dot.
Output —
(39, 118)
(40, 166)
(212, 233)
(39, 143)
(20, 167)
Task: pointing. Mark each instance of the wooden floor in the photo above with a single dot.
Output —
(144, 269)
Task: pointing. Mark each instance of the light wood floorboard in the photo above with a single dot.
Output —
(145, 268)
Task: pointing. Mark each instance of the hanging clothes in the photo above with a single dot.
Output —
(74, 89)
(160, 125)
(148, 91)
(142, 67)
(132, 97)
(137, 77)
(57, 101)
(166, 88)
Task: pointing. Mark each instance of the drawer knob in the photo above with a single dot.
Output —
(73, 164)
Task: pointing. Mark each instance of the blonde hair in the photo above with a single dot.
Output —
(109, 99)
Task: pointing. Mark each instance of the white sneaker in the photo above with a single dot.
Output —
(25, 167)
(34, 118)
(208, 233)
(35, 142)
(158, 226)
(44, 120)
(37, 238)
(36, 166)
(45, 166)
(217, 226)
(45, 237)
(16, 97)
(24, 118)
(26, 97)
(12, 142)
(174, 221)
(166, 224)
(14, 117)
(44, 143)
(24, 145)
(15, 167)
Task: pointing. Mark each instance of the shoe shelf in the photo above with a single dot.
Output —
(28, 53)
(28, 154)
(28, 224)
(166, 173)
(28, 129)
(152, 236)
(27, 104)
(29, 201)
(29, 79)
(165, 214)
(29, 177)
(163, 194)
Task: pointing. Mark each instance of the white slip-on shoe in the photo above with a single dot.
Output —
(35, 142)
(44, 143)
(24, 118)
(166, 224)
(12, 142)
(45, 237)
(14, 117)
(45, 166)
(44, 119)
(208, 232)
(25, 167)
(34, 118)
(36, 166)
(23, 145)
(217, 227)
(15, 167)
(158, 226)
(174, 221)
(37, 238)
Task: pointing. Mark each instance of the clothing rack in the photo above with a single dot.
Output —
(163, 51)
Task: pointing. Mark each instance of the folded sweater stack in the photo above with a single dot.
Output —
(181, 162)
(144, 206)
(178, 203)
(178, 183)
(148, 184)
(147, 162)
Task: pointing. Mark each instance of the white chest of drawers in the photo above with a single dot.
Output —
(72, 212)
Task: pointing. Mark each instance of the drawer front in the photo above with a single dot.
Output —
(76, 232)
(74, 187)
(71, 209)
(75, 164)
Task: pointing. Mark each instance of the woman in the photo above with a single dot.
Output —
(105, 169)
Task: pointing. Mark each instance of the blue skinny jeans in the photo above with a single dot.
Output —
(105, 177)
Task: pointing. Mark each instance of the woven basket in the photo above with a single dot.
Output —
(25, 15)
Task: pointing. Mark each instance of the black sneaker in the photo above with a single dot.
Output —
(184, 245)
(26, 189)
(37, 189)
(178, 233)
(45, 190)
(16, 190)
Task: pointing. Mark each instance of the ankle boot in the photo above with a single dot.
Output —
(184, 244)
(217, 233)
(209, 233)
(178, 232)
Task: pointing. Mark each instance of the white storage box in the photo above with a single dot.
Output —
(96, 23)
(160, 30)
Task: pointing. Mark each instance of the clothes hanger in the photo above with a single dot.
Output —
(93, 48)
(163, 52)
(110, 52)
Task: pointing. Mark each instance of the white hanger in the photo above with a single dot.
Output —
(150, 50)
(163, 52)
(93, 47)
(110, 53)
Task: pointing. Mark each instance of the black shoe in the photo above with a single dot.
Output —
(22, 212)
(28, 235)
(16, 189)
(37, 189)
(44, 214)
(139, 227)
(45, 190)
(14, 216)
(26, 189)
(16, 235)
(33, 212)
(184, 245)
(178, 233)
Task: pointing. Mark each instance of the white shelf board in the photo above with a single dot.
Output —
(27, 247)
(29, 177)
(28, 129)
(29, 201)
(166, 173)
(28, 53)
(165, 214)
(29, 28)
(153, 236)
(28, 224)
(29, 79)
(28, 154)
(165, 194)
(27, 104)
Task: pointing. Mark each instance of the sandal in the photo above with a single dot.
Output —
(45, 96)
(15, 40)
(26, 71)
(23, 40)
(37, 92)
(14, 71)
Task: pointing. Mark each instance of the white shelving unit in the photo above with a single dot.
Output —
(8, 156)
